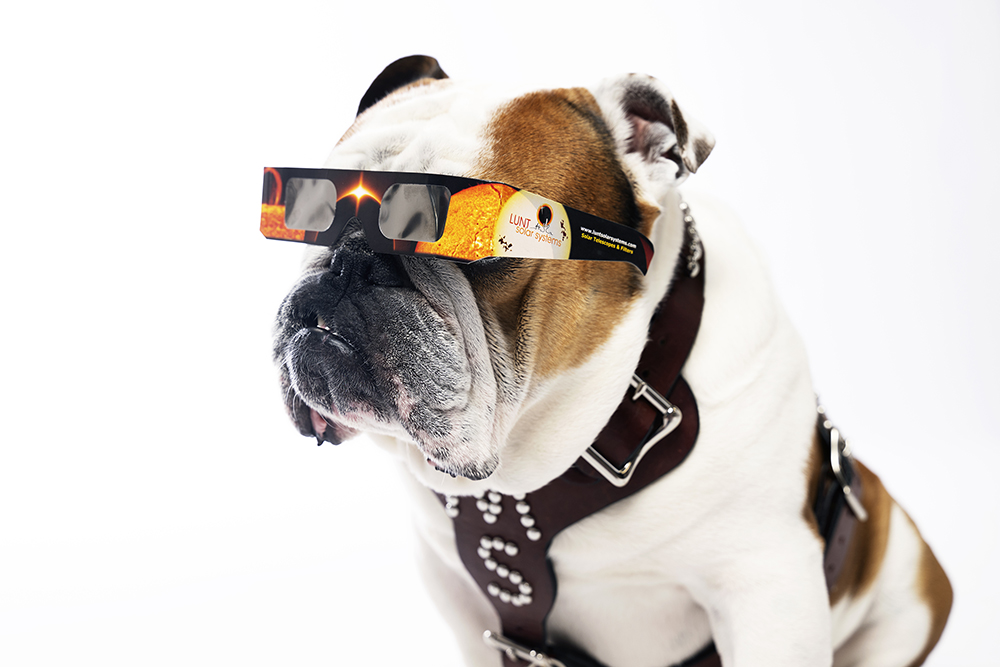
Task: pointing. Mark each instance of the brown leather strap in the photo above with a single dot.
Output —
(839, 542)
(672, 331)
(835, 521)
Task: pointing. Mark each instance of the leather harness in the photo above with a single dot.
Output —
(503, 541)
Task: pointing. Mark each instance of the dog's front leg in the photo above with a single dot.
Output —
(457, 597)
(770, 607)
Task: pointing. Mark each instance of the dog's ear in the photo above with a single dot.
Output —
(651, 132)
(398, 74)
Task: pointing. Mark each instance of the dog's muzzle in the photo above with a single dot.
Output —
(322, 330)
(361, 347)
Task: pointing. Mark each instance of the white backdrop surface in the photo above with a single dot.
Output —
(156, 508)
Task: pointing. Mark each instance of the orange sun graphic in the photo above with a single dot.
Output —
(473, 215)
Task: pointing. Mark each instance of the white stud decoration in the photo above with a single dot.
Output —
(451, 506)
(490, 507)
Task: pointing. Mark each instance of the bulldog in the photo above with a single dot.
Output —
(747, 534)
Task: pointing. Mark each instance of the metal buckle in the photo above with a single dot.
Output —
(515, 651)
(840, 452)
(671, 418)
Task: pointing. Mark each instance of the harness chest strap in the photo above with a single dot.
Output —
(503, 541)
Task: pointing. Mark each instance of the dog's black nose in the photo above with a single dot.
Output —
(333, 304)
(331, 301)
(355, 264)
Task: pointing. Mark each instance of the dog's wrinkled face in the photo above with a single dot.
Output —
(392, 345)
(453, 360)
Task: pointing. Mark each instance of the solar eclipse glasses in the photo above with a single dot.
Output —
(451, 217)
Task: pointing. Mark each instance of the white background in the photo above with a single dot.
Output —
(156, 507)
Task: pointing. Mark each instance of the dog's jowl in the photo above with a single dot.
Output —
(605, 418)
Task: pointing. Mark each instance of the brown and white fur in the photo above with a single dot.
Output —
(502, 372)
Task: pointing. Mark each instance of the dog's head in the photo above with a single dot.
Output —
(499, 368)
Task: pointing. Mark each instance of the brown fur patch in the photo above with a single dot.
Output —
(555, 144)
(648, 213)
(868, 545)
(935, 590)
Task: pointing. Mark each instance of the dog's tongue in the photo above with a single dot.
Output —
(319, 425)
